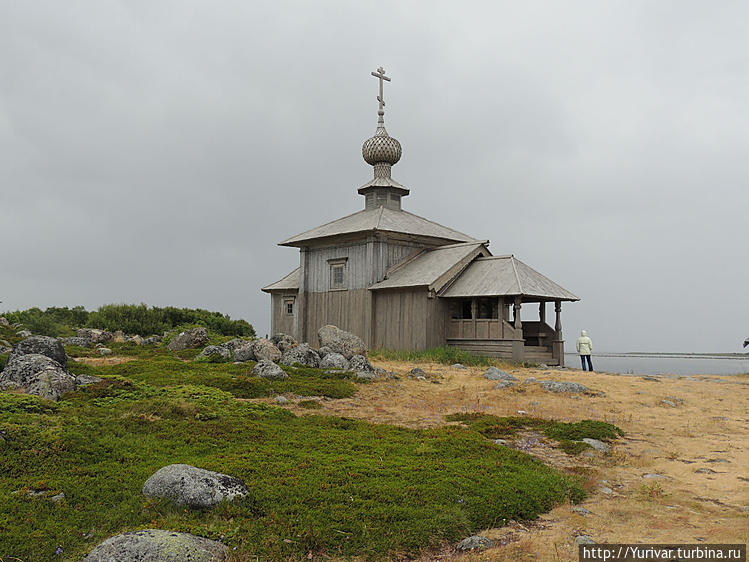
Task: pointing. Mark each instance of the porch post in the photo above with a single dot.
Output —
(518, 344)
(474, 311)
(542, 312)
(501, 316)
(557, 349)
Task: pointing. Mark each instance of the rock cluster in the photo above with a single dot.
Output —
(302, 354)
(37, 365)
(195, 337)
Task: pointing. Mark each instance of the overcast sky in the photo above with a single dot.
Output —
(157, 151)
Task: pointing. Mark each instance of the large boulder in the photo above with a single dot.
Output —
(41, 345)
(96, 336)
(283, 342)
(156, 545)
(264, 349)
(215, 353)
(150, 340)
(231, 345)
(269, 370)
(340, 341)
(195, 337)
(37, 374)
(193, 487)
(245, 352)
(302, 354)
(334, 361)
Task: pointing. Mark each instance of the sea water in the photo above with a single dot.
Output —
(671, 363)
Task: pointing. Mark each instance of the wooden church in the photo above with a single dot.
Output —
(400, 281)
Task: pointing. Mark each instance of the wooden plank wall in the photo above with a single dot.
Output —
(345, 309)
(282, 323)
(408, 319)
(490, 348)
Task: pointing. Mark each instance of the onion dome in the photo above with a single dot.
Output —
(381, 148)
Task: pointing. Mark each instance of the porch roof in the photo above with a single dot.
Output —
(289, 282)
(432, 268)
(496, 276)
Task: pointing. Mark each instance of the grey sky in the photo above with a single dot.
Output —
(155, 151)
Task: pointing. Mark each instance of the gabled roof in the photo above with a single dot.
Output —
(505, 275)
(289, 283)
(380, 219)
(432, 268)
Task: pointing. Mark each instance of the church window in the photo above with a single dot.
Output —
(337, 273)
(288, 305)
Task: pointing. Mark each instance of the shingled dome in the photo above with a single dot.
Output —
(381, 149)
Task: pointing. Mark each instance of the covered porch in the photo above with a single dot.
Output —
(484, 311)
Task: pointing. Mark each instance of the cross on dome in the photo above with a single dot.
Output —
(381, 75)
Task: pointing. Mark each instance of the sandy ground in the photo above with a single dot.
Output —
(706, 430)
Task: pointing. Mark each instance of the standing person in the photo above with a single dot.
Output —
(585, 348)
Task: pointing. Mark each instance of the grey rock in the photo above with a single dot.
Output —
(96, 336)
(650, 378)
(5, 349)
(653, 476)
(4, 321)
(530, 380)
(136, 339)
(668, 403)
(475, 542)
(245, 352)
(37, 374)
(215, 353)
(284, 342)
(580, 510)
(584, 539)
(233, 344)
(156, 545)
(195, 337)
(500, 442)
(494, 374)
(41, 345)
(340, 341)
(718, 460)
(334, 361)
(75, 340)
(281, 400)
(418, 372)
(24, 333)
(380, 372)
(323, 351)
(705, 471)
(269, 370)
(151, 340)
(606, 490)
(264, 349)
(458, 366)
(597, 445)
(553, 386)
(193, 487)
(83, 380)
(359, 363)
(57, 498)
(105, 351)
(302, 354)
(118, 336)
(366, 375)
(504, 384)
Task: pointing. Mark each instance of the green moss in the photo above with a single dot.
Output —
(309, 404)
(445, 355)
(569, 435)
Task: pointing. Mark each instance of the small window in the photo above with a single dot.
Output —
(288, 305)
(338, 275)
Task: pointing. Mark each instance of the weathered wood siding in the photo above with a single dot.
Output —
(345, 309)
(490, 348)
(280, 321)
(408, 319)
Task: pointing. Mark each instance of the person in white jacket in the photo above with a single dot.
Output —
(584, 349)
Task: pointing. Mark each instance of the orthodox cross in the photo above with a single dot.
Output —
(381, 75)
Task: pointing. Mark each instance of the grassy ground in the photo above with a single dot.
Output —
(709, 430)
(321, 485)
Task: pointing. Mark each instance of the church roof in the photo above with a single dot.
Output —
(505, 275)
(289, 283)
(432, 268)
(380, 219)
